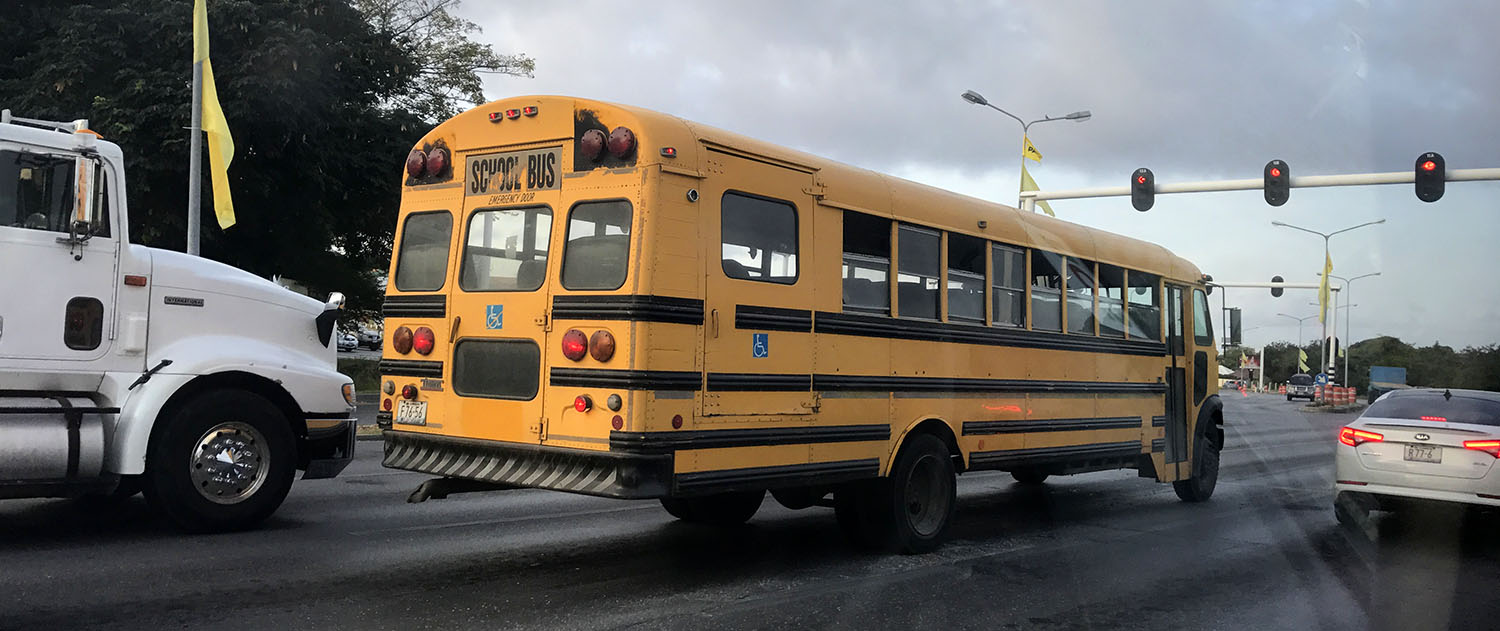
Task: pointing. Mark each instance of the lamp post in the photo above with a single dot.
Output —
(1323, 355)
(1299, 325)
(978, 99)
(1348, 302)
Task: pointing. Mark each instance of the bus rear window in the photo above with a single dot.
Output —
(596, 255)
(422, 262)
(506, 250)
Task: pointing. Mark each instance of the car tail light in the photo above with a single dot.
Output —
(408, 392)
(401, 340)
(601, 346)
(591, 144)
(575, 344)
(1491, 447)
(583, 403)
(621, 142)
(416, 161)
(423, 341)
(1352, 437)
(437, 160)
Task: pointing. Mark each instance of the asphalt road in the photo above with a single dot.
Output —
(1102, 550)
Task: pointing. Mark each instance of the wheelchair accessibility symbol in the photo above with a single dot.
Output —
(494, 317)
(760, 345)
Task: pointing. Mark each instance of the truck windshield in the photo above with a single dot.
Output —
(1301, 380)
(36, 191)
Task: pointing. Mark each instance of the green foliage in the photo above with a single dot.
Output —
(324, 99)
(364, 372)
(1432, 366)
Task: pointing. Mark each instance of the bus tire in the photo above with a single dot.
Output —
(1029, 477)
(911, 509)
(723, 509)
(1200, 487)
(222, 461)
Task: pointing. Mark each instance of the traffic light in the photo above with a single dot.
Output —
(1278, 184)
(1431, 172)
(1277, 291)
(1142, 189)
(1234, 326)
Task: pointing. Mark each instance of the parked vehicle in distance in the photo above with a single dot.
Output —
(1299, 387)
(1384, 379)
(370, 338)
(348, 342)
(1419, 445)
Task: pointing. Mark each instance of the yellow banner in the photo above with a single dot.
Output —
(1323, 287)
(220, 143)
(1028, 184)
(1028, 150)
(1301, 360)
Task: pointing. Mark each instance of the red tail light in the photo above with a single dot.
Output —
(583, 403)
(386, 405)
(601, 346)
(575, 344)
(424, 340)
(437, 160)
(591, 144)
(618, 422)
(1352, 437)
(416, 161)
(1491, 447)
(401, 340)
(621, 142)
(408, 392)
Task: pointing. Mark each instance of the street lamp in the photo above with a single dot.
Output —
(1323, 359)
(1077, 117)
(1348, 299)
(1299, 325)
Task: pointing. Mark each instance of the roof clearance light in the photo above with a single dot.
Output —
(512, 113)
(575, 345)
(1440, 419)
(669, 152)
(621, 142)
(415, 162)
(424, 340)
(1353, 437)
(496, 116)
(437, 160)
(1491, 447)
(529, 110)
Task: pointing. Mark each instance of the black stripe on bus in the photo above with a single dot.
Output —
(740, 382)
(636, 308)
(756, 478)
(411, 368)
(895, 328)
(1158, 421)
(627, 379)
(417, 306)
(666, 442)
(977, 428)
(772, 319)
(862, 383)
(1009, 458)
(1158, 445)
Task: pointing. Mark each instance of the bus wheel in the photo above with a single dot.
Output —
(1200, 487)
(910, 511)
(1029, 476)
(724, 509)
(223, 461)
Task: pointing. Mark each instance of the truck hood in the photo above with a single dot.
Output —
(176, 270)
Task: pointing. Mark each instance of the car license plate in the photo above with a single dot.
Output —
(411, 413)
(1424, 453)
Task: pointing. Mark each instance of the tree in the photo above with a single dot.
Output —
(324, 99)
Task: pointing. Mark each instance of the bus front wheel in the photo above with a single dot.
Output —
(1205, 473)
(723, 509)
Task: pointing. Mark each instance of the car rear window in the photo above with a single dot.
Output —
(1301, 380)
(1434, 406)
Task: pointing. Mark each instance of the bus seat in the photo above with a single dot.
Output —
(600, 262)
(530, 274)
(735, 269)
(911, 295)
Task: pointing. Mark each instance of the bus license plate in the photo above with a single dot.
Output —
(411, 413)
(1424, 453)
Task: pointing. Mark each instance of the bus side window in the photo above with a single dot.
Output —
(965, 278)
(1203, 327)
(422, 261)
(1009, 286)
(867, 263)
(1046, 291)
(917, 273)
(1145, 306)
(1080, 296)
(758, 239)
(1111, 301)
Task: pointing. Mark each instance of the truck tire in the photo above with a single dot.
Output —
(723, 509)
(1200, 487)
(910, 510)
(222, 461)
(1029, 477)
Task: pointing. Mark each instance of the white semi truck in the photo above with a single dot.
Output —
(125, 368)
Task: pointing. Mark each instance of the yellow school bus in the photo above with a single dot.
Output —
(607, 300)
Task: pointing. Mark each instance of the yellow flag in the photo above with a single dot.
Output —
(1028, 184)
(1323, 287)
(220, 144)
(1302, 360)
(1028, 150)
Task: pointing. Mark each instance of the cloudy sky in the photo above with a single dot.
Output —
(1193, 90)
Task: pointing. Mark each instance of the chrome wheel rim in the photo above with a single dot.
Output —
(229, 463)
(926, 500)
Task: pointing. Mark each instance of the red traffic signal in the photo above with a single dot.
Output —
(1142, 189)
(1278, 182)
(1431, 173)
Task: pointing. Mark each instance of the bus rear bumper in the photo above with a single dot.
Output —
(601, 473)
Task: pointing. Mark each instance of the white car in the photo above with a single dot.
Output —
(348, 342)
(1419, 445)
